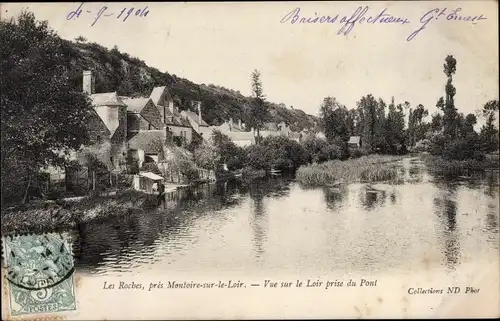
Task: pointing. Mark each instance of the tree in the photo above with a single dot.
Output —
(415, 126)
(258, 112)
(206, 156)
(367, 108)
(468, 125)
(334, 121)
(395, 124)
(450, 112)
(228, 153)
(43, 114)
(489, 132)
(81, 39)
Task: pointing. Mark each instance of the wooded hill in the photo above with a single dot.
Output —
(129, 76)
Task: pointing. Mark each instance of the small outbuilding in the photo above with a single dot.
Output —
(146, 181)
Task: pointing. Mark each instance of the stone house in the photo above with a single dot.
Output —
(108, 127)
(177, 125)
(197, 123)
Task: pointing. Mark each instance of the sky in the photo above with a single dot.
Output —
(301, 63)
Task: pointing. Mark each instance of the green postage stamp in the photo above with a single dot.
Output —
(39, 270)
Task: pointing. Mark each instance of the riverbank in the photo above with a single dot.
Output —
(372, 168)
(60, 215)
(455, 168)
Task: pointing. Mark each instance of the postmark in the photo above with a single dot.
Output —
(39, 270)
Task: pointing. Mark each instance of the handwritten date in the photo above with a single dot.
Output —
(122, 15)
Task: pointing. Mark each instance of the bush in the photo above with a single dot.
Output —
(318, 150)
(358, 152)
(277, 152)
(462, 149)
(188, 169)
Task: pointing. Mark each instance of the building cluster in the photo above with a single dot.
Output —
(127, 129)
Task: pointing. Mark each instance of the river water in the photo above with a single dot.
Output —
(277, 225)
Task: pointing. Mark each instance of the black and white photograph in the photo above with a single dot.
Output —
(249, 160)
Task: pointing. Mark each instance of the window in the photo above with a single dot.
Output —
(99, 139)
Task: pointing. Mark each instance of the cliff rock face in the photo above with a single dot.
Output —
(129, 76)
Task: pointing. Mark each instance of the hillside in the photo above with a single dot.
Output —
(129, 76)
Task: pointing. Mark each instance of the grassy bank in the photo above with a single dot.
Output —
(373, 168)
(454, 168)
(63, 215)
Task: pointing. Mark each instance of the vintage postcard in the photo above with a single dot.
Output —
(249, 160)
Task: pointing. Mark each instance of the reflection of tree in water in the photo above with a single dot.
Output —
(393, 198)
(416, 174)
(446, 209)
(334, 197)
(273, 188)
(135, 233)
(371, 198)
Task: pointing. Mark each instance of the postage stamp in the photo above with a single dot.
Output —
(39, 270)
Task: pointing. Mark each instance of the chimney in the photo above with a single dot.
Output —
(231, 123)
(87, 82)
(239, 123)
(199, 113)
(251, 130)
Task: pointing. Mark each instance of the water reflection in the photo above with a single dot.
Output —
(258, 219)
(372, 198)
(446, 209)
(335, 197)
(275, 223)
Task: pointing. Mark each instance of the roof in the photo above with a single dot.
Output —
(106, 99)
(151, 176)
(136, 105)
(240, 136)
(194, 117)
(270, 126)
(177, 119)
(156, 94)
(354, 139)
(144, 140)
(294, 135)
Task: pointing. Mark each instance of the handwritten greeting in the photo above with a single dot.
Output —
(122, 15)
(360, 16)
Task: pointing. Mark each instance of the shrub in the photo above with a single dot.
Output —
(358, 152)
(318, 150)
(188, 169)
(462, 149)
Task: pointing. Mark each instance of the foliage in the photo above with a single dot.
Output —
(358, 152)
(371, 168)
(207, 156)
(258, 157)
(36, 90)
(257, 113)
(453, 168)
(335, 121)
(450, 112)
(318, 150)
(228, 153)
(188, 169)
(489, 132)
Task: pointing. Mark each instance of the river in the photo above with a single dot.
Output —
(277, 225)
